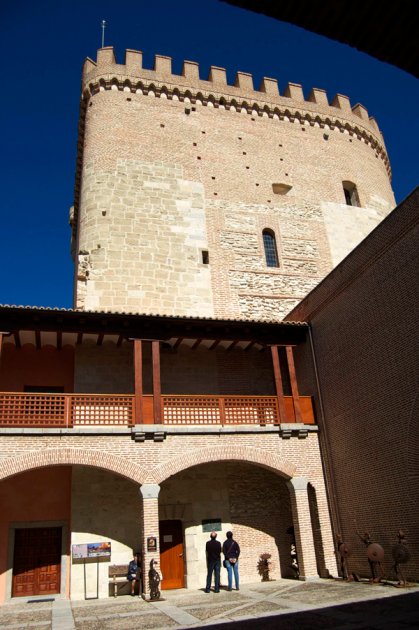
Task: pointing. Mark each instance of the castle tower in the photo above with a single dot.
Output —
(195, 197)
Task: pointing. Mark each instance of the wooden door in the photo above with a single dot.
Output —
(37, 561)
(171, 554)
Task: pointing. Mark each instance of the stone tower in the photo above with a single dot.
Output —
(201, 198)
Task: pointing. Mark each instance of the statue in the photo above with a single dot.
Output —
(375, 555)
(401, 555)
(154, 580)
(345, 551)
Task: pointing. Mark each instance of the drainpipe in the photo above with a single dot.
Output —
(325, 447)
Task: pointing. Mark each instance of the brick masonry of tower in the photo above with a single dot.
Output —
(171, 166)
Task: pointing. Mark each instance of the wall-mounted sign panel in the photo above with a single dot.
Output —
(151, 543)
(92, 550)
(211, 525)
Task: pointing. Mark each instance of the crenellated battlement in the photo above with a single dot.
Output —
(215, 91)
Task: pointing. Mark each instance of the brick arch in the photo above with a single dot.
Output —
(246, 455)
(73, 456)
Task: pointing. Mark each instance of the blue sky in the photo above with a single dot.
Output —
(43, 45)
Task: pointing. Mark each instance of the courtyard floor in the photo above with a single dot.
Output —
(284, 604)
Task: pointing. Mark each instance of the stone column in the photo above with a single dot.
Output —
(150, 495)
(302, 528)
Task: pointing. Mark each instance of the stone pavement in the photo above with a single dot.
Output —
(284, 604)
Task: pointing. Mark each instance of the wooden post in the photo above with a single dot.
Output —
(68, 411)
(138, 380)
(222, 410)
(294, 385)
(278, 384)
(155, 351)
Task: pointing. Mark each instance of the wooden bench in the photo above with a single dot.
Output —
(118, 575)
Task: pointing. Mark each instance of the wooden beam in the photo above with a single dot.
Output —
(155, 351)
(79, 338)
(138, 381)
(196, 344)
(232, 345)
(17, 339)
(249, 345)
(294, 384)
(120, 340)
(59, 340)
(278, 384)
(100, 339)
(214, 344)
(177, 343)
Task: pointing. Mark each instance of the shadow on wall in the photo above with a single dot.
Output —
(107, 505)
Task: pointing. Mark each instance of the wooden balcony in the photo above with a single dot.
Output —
(72, 410)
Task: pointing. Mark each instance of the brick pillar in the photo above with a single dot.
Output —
(150, 494)
(302, 528)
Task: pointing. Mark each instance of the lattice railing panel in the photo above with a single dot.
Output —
(42, 410)
(220, 410)
(250, 410)
(191, 410)
(102, 410)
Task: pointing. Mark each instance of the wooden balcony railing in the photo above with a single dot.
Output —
(220, 410)
(71, 410)
(65, 410)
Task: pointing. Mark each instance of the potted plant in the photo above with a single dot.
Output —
(264, 566)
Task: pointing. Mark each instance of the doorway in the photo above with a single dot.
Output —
(37, 561)
(172, 554)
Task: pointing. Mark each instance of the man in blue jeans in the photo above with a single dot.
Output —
(213, 551)
(231, 551)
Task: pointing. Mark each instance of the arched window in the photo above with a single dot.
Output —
(271, 253)
(351, 194)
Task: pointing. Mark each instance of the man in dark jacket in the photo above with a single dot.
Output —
(213, 551)
(231, 551)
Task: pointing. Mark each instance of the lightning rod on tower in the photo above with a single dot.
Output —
(103, 25)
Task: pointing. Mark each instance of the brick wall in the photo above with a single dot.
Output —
(365, 323)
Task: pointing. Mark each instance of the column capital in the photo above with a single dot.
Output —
(150, 490)
(297, 483)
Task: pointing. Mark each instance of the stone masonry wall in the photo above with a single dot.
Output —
(164, 178)
(141, 232)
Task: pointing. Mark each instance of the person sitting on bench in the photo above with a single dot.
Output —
(134, 570)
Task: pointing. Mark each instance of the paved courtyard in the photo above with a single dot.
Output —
(284, 604)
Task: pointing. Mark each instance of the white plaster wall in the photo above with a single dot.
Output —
(105, 507)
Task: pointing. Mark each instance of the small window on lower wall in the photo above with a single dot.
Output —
(351, 194)
(205, 256)
(271, 252)
(281, 189)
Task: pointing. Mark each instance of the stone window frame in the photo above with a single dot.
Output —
(270, 248)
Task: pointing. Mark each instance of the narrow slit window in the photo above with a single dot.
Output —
(271, 252)
(351, 194)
